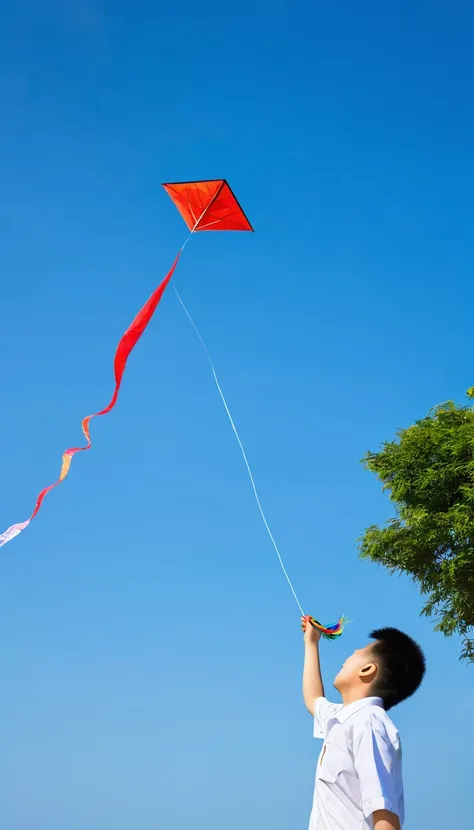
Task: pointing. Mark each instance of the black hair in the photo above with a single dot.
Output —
(401, 665)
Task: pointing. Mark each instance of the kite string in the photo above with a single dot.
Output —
(231, 420)
(241, 446)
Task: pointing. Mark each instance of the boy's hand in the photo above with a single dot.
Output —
(311, 634)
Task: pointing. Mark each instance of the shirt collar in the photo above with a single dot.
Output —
(352, 708)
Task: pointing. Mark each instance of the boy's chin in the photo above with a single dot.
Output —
(336, 683)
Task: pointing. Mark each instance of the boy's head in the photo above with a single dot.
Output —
(392, 668)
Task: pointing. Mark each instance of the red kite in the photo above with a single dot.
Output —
(208, 206)
(204, 206)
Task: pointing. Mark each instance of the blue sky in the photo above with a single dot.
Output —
(150, 649)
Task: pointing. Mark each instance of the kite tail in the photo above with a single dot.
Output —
(124, 348)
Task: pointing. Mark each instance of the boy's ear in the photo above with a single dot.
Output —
(367, 673)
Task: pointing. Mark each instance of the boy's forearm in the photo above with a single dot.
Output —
(312, 680)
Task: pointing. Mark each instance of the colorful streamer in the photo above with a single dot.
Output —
(329, 632)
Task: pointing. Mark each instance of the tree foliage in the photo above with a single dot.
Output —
(428, 471)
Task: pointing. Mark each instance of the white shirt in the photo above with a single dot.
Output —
(360, 767)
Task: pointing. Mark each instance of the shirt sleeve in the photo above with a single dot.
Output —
(378, 766)
(323, 712)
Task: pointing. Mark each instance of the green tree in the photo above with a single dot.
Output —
(428, 471)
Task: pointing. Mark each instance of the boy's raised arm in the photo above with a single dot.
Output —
(312, 680)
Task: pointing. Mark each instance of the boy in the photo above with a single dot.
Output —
(359, 774)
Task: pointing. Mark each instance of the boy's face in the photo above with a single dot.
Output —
(359, 669)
